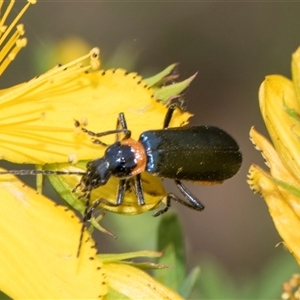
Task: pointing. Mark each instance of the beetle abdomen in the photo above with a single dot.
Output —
(199, 153)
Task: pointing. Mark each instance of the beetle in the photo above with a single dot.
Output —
(190, 153)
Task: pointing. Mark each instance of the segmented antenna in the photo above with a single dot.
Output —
(43, 172)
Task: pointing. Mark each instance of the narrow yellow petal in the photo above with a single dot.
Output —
(39, 242)
(277, 168)
(296, 72)
(136, 284)
(286, 220)
(276, 95)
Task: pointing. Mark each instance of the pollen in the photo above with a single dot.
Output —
(84, 122)
(72, 158)
(10, 42)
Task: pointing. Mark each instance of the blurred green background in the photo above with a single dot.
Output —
(232, 46)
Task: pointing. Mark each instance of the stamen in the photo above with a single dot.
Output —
(5, 61)
(6, 13)
(10, 43)
(13, 45)
(21, 13)
(95, 62)
(58, 73)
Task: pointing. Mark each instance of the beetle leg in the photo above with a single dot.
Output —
(105, 133)
(173, 197)
(121, 122)
(121, 128)
(121, 192)
(95, 205)
(98, 142)
(84, 219)
(120, 197)
(138, 189)
(193, 202)
(173, 103)
(169, 115)
(170, 196)
(88, 212)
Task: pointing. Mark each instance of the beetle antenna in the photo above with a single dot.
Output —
(43, 172)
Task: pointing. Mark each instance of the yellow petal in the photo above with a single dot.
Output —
(277, 168)
(286, 220)
(136, 284)
(296, 72)
(39, 242)
(153, 190)
(39, 115)
(276, 96)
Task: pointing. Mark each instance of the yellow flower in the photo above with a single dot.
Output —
(39, 114)
(38, 256)
(135, 284)
(279, 105)
(39, 240)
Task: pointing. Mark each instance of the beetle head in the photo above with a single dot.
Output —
(97, 174)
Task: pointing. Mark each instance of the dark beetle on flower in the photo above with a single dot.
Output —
(192, 153)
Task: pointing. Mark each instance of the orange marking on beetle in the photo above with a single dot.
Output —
(139, 154)
(209, 182)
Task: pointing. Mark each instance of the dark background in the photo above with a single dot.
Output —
(232, 46)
